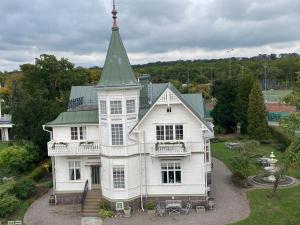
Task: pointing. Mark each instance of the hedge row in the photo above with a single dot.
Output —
(282, 138)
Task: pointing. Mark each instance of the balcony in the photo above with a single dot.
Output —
(73, 148)
(166, 149)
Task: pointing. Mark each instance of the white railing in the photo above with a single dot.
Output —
(73, 148)
(161, 149)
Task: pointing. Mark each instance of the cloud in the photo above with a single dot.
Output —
(151, 29)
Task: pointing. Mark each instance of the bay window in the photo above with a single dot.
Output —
(118, 177)
(116, 107)
(130, 106)
(103, 107)
(117, 134)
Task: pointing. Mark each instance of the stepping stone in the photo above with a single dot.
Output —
(91, 221)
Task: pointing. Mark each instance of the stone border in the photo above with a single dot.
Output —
(295, 182)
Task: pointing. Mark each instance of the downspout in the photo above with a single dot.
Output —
(145, 162)
(140, 167)
(49, 131)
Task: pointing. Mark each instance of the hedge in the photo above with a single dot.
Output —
(8, 203)
(280, 137)
(24, 188)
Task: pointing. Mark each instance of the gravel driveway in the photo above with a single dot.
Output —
(231, 206)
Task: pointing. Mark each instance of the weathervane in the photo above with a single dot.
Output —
(114, 13)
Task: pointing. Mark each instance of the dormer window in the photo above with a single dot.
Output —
(116, 107)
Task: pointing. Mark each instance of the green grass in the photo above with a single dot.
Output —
(3, 145)
(282, 209)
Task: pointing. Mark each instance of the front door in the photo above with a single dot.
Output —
(95, 177)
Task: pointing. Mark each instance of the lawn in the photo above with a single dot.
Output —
(282, 209)
(3, 145)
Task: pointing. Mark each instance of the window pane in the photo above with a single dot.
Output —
(117, 134)
(179, 132)
(170, 166)
(178, 176)
(74, 133)
(169, 132)
(160, 133)
(164, 176)
(171, 176)
(119, 177)
(116, 107)
(71, 174)
(102, 107)
(77, 174)
(130, 106)
(82, 133)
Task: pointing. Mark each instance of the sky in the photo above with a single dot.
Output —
(152, 30)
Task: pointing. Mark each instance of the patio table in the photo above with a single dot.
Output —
(174, 208)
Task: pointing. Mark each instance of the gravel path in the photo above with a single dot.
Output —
(231, 206)
(41, 213)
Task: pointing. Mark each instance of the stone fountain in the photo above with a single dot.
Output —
(271, 169)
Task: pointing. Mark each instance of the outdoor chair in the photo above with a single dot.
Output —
(186, 210)
(160, 210)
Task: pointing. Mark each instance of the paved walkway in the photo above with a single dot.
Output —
(231, 206)
(41, 213)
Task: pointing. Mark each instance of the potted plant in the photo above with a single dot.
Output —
(127, 211)
(211, 203)
(150, 208)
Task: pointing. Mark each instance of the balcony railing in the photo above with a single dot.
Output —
(162, 149)
(73, 148)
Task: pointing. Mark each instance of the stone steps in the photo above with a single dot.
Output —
(91, 205)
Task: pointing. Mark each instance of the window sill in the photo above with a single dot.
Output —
(172, 184)
(75, 181)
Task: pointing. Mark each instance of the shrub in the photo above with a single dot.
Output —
(219, 130)
(103, 213)
(279, 136)
(104, 205)
(8, 203)
(242, 167)
(150, 206)
(23, 188)
(37, 174)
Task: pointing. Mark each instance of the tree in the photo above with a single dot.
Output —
(242, 101)
(257, 116)
(223, 113)
(42, 95)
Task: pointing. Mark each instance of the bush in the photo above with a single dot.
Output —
(103, 213)
(8, 203)
(37, 174)
(242, 167)
(219, 130)
(104, 205)
(279, 136)
(23, 188)
(150, 206)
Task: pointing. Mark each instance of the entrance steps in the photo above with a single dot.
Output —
(91, 205)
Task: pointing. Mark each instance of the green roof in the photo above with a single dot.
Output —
(76, 117)
(117, 71)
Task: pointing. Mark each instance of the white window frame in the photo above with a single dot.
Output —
(115, 107)
(117, 181)
(73, 168)
(130, 106)
(119, 205)
(162, 134)
(174, 170)
(117, 139)
(78, 133)
(103, 108)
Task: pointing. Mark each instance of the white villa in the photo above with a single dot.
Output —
(132, 140)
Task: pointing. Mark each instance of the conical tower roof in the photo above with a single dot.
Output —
(117, 72)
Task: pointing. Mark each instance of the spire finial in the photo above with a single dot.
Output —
(114, 13)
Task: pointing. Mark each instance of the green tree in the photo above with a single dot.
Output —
(42, 94)
(242, 101)
(257, 116)
(223, 113)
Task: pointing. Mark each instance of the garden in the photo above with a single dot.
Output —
(22, 179)
(267, 207)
